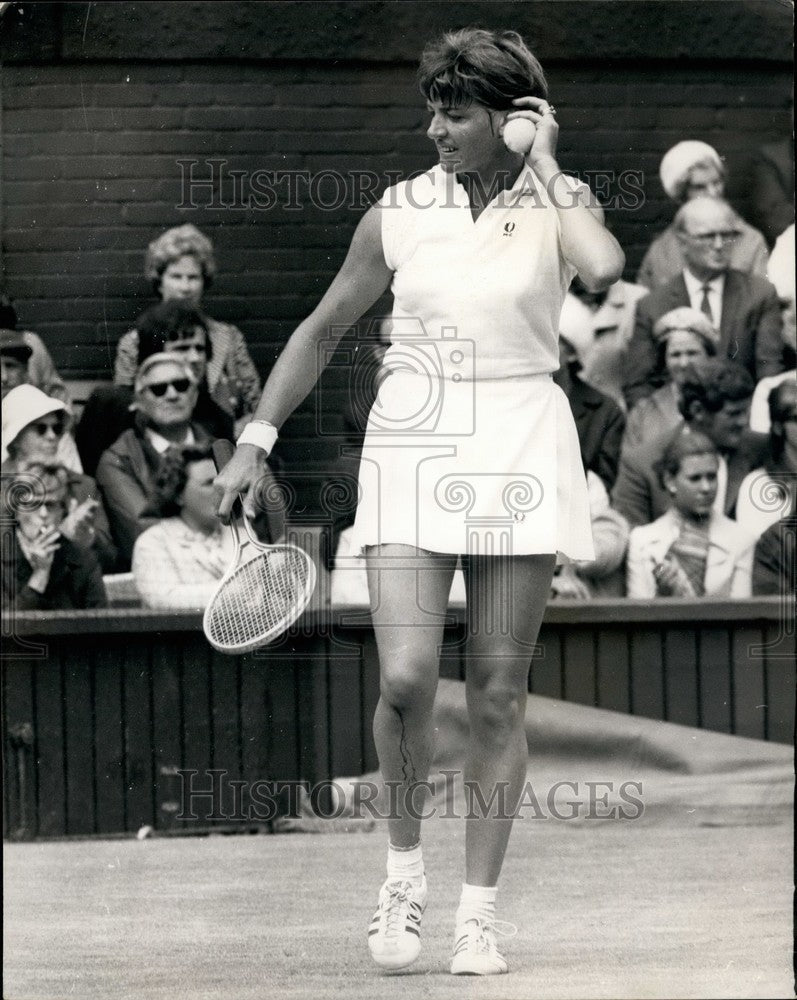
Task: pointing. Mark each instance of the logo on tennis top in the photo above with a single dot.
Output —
(509, 228)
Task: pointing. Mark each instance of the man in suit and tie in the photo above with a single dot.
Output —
(744, 307)
(715, 400)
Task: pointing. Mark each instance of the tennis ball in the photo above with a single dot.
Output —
(519, 135)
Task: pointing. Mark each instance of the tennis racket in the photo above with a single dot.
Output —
(264, 590)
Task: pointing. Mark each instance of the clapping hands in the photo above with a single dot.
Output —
(671, 580)
(78, 525)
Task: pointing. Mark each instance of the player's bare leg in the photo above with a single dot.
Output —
(409, 595)
(506, 603)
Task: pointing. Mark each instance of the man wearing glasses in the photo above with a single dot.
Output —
(742, 306)
(165, 396)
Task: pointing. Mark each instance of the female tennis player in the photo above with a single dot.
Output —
(471, 450)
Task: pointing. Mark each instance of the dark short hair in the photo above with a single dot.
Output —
(683, 445)
(713, 382)
(780, 408)
(14, 345)
(170, 479)
(491, 68)
(8, 314)
(167, 322)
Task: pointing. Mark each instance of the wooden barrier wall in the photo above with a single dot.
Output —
(102, 710)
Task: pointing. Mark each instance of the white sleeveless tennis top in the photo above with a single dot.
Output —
(496, 285)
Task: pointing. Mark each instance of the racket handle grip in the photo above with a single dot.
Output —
(223, 451)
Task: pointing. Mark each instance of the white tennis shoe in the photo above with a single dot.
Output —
(394, 935)
(475, 950)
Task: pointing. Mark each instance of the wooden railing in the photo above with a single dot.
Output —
(102, 710)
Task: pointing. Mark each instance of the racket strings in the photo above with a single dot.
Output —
(260, 598)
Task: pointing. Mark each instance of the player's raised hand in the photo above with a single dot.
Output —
(543, 115)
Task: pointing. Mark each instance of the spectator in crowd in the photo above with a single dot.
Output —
(179, 327)
(599, 420)
(178, 562)
(775, 559)
(603, 576)
(165, 395)
(683, 336)
(691, 550)
(599, 325)
(42, 568)
(715, 398)
(40, 370)
(772, 189)
(180, 265)
(173, 326)
(33, 427)
(16, 356)
(781, 273)
(690, 170)
(767, 494)
(743, 307)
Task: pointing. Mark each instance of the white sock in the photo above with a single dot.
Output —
(405, 864)
(477, 902)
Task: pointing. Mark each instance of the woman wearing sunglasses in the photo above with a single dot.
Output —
(164, 399)
(42, 568)
(34, 426)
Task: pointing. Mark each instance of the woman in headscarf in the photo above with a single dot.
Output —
(683, 335)
(693, 169)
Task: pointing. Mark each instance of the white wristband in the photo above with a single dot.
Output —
(260, 433)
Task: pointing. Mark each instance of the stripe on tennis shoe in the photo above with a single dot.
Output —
(395, 929)
(461, 945)
(475, 951)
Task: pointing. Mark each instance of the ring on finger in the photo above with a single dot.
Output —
(550, 110)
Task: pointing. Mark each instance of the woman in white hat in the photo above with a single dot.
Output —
(693, 169)
(683, 335)
(33, 427)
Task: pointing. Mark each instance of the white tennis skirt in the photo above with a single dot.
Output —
(490, 467)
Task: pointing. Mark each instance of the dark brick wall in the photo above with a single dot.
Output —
(93, 137)
(394, 30)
